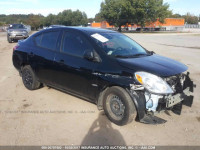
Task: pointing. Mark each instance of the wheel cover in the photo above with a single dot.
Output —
(116, 106)
(27, 78)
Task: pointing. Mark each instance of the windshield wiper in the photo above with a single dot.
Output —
(140, 54)
(136, 55)
(129, 56)
(121, 56)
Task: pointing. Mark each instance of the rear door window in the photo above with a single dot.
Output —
(75, 44)
(47, 40)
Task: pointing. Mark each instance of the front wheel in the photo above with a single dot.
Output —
(9, 39)
(29, 79)
(118, 106)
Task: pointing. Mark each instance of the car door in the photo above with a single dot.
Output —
(41, 56)
(75, 73)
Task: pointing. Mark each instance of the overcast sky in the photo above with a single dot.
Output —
(91, 7)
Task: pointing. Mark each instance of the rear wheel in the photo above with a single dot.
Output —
(118, 106)
(29, 79)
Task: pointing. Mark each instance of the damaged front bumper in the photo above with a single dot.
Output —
(152, 103)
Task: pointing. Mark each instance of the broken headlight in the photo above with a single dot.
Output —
(153, 83)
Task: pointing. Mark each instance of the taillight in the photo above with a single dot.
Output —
(16, 47)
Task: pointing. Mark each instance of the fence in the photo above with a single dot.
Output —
(192, 26)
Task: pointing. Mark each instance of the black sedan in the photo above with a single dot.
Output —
(107, 68)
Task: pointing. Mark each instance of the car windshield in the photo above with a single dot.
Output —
(118, 45)
(16, 26)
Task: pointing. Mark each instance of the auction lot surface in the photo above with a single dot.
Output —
(50, 117)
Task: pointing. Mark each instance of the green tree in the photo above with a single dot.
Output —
(117, 12)
(50, 20)
(175, 16)
(141, 12)
(148, 11)
(16, 18)
(67, 17)
(79, 18)
(191, 19)
(98, 18)
(71, 18)
(90, 20)
(34, 21)
(2, 23)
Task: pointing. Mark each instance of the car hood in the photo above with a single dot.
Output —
(155, 64)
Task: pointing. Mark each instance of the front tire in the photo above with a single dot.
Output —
(29, 79)
(118, 106)
(9, 39)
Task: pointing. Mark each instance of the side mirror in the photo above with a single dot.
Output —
(151, 52)
(91, 56)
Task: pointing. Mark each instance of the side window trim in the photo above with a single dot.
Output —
(59, 41)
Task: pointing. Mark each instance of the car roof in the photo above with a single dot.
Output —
(88, 30)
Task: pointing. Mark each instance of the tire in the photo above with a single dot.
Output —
(29, 79)
(118, 106)
(9, 39)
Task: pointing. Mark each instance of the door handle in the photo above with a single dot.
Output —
(31, 54)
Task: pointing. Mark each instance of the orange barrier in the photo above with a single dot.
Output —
(168, 22)
(102, 24)
(96, 25)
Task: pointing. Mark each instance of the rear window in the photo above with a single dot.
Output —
(47, 40)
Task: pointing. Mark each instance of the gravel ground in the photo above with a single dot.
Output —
(50, 117)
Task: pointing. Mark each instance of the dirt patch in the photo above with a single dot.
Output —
(196, 35)
(26, 105)
(198, 119)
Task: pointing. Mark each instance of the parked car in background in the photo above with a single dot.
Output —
(107, 68)
(16, 32)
